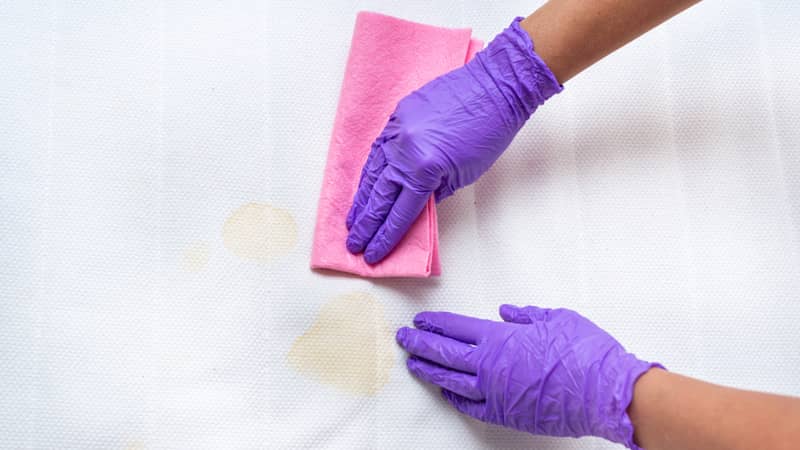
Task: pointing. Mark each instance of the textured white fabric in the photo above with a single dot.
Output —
(659, 195)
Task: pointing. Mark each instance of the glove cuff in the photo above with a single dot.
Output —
(541, 77)
(623, 433)
(516, 71)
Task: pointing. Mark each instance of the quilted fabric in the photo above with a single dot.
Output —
(160, 167)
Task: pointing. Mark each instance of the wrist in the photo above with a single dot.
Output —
(539, 73)
(520, 76)
(646, 391)
(616, 424)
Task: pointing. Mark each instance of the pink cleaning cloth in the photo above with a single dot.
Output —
(389, 58)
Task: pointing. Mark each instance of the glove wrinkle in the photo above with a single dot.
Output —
(548, 372)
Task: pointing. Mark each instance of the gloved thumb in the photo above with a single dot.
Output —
(527, 314)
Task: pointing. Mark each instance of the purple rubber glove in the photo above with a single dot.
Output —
(444, 136)
(549, 372)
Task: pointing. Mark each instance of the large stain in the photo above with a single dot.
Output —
(350, 346)
(259, 232)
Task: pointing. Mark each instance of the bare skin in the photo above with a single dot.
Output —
(571, 35)
(669, 411)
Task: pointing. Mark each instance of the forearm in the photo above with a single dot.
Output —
(571, 35)
(671, 411)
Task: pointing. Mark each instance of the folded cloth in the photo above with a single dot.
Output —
(389, 58)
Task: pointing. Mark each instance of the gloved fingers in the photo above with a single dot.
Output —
(464, 405)
(383, 195)
(511, 313)
(459, 382)
(527, 314)
(376, 162)
(466, 329)
(439, 349)
(406, 209)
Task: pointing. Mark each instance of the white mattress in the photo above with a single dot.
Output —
(659, 195)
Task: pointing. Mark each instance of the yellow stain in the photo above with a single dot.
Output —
(350, 346)
(259, 232)
(195, 256)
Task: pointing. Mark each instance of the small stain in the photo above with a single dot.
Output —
(349, 346)
(259, 232)
(195, 256)
(135, 445)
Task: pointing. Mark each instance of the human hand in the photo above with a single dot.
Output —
(444, 136)
(544, 371)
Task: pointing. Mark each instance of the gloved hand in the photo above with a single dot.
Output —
(444, 136)
(550, 372)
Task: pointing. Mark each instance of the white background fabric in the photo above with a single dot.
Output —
(659, 195)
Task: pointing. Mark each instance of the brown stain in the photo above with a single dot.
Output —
(259, 232)
(350, 346)
(195, 256)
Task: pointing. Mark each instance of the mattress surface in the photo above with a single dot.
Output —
(146, 146)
